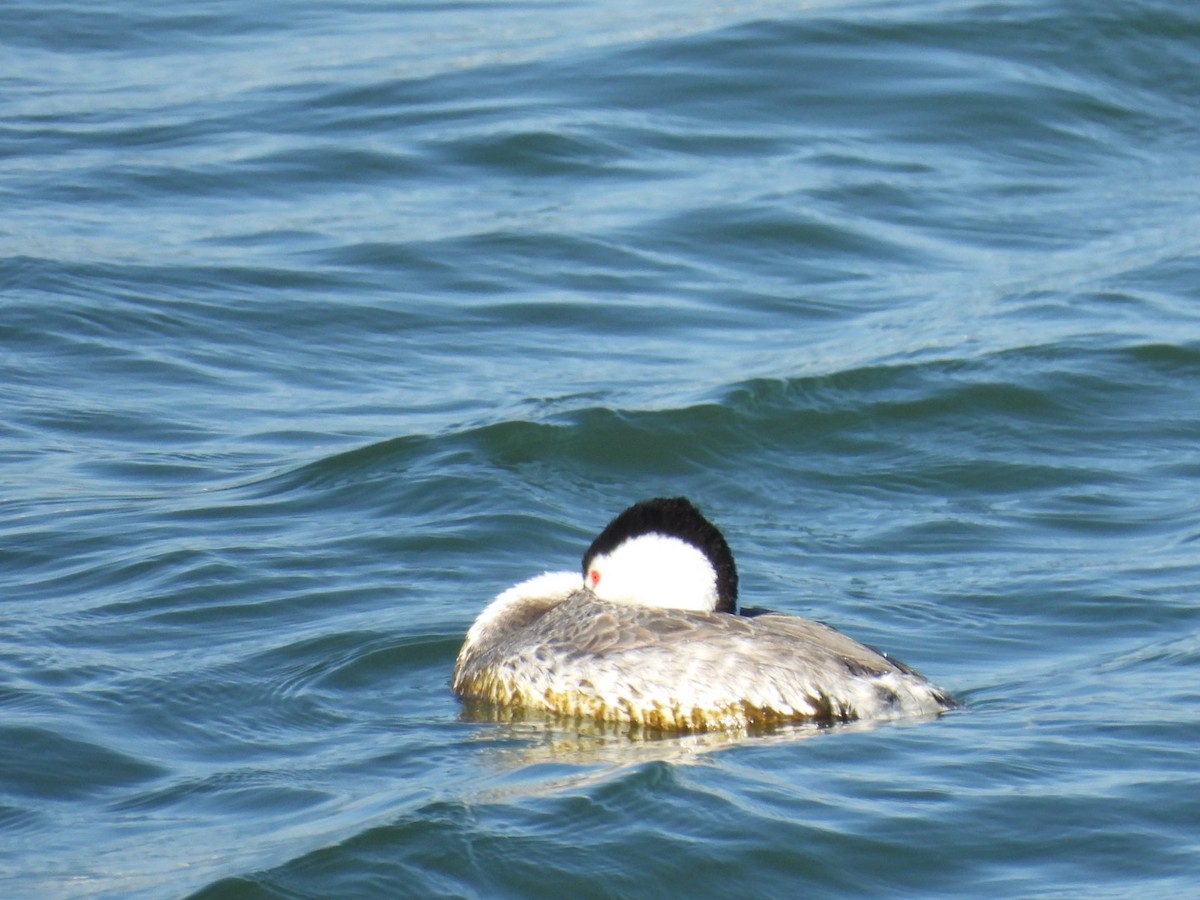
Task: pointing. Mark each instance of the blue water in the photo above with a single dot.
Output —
(322, 323)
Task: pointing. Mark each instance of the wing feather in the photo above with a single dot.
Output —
(689, 670)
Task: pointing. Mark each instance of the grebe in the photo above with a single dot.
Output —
(650, 634)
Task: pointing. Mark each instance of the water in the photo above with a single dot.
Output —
(323, 323)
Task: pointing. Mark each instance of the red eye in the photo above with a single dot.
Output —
(594, 577)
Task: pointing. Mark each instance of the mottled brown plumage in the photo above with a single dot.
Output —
(681, 669)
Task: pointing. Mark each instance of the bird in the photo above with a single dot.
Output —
(650, 633)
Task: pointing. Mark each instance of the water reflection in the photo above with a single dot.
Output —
(523, 737)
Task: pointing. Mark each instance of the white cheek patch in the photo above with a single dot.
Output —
(656, 570)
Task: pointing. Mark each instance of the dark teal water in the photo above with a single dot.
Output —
(321, 323)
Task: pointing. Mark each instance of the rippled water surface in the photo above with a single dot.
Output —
(321, 323)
